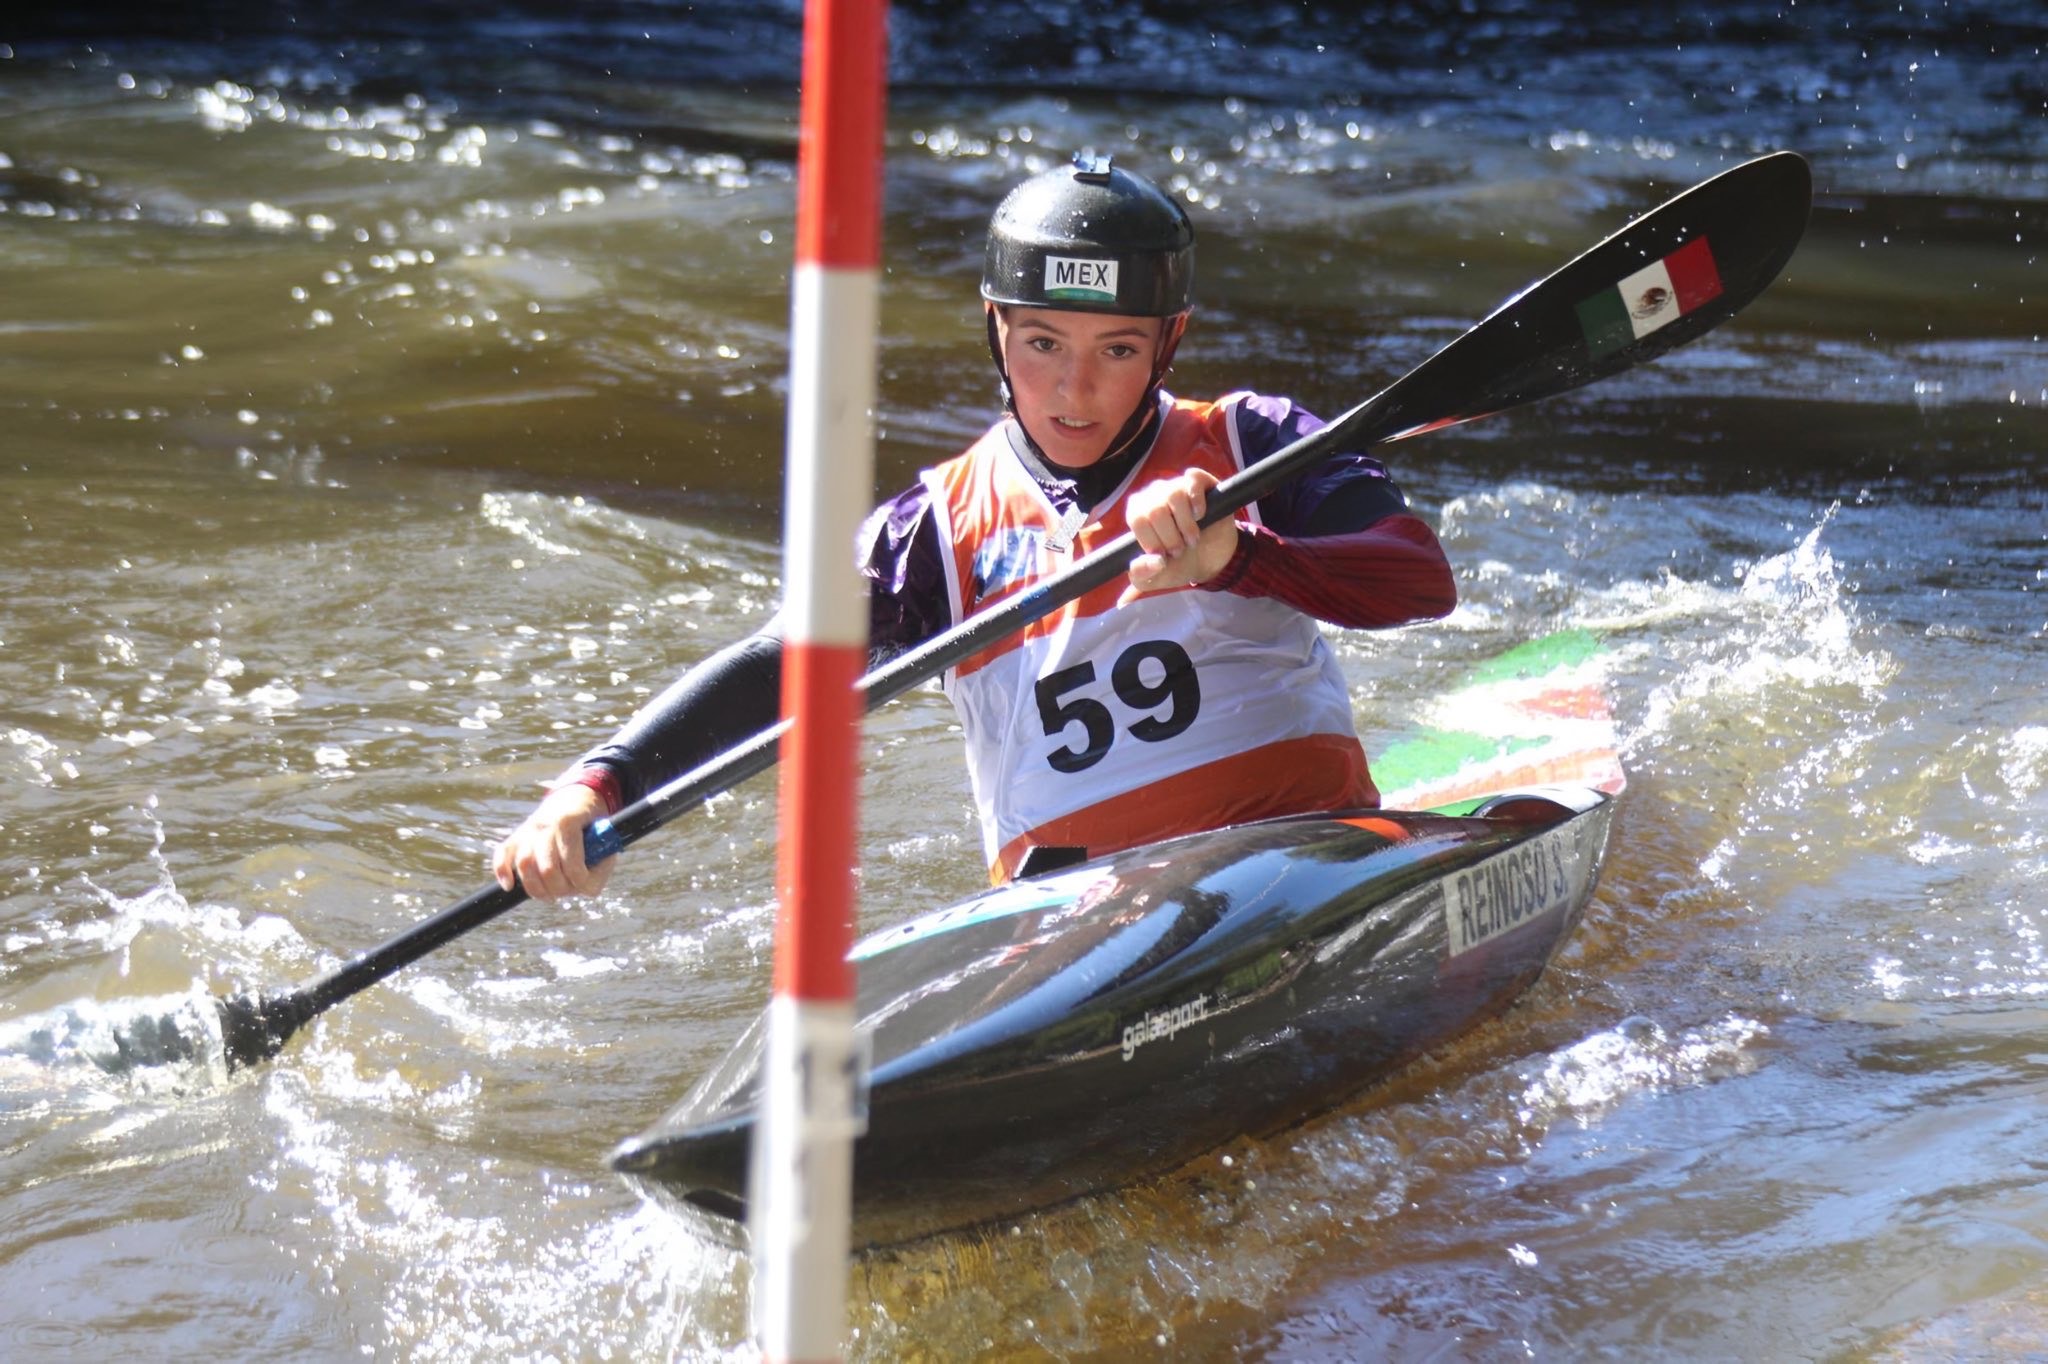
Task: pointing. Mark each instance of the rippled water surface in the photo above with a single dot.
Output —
(393, 401)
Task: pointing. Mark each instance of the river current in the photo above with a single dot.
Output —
(393, 401)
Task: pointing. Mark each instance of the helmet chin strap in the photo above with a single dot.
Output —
(995, 353)
(1170, 332)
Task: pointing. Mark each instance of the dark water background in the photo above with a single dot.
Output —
(393, 399)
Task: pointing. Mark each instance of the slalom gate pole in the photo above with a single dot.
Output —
(802, 1171)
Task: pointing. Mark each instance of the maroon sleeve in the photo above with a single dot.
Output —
(1390, 573)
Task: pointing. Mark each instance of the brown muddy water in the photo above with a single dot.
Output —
(393, 401)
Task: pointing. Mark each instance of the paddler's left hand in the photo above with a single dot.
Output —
(1164, 516)
(545, 853)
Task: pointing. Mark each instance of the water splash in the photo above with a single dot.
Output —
(2023, 761)
(527, 516)
(144, 941)
(1794, 641)
(1588, 1079)
(182, 1033)
(397, 1221)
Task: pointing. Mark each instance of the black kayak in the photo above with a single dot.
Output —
(1075, 1031)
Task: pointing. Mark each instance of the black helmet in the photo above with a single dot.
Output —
(1092, 238)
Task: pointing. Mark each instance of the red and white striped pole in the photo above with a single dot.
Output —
(802, 1176)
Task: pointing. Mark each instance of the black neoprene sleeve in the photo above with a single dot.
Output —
(723, 701)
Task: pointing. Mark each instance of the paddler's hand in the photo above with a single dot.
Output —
(546, 852)
(1177, 552)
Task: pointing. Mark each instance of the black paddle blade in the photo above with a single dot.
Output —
(254, 1028)
(1670, 276)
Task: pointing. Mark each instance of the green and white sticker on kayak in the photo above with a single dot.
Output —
(1537, 715)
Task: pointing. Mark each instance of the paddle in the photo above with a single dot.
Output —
(1687, 267)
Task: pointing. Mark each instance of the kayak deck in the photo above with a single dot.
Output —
(1065, 1034)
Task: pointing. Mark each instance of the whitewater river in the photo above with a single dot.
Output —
(392, 400)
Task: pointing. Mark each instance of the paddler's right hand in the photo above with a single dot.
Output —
(1165, 517)
(545, 853)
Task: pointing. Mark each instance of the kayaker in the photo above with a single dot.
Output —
(1197, 692)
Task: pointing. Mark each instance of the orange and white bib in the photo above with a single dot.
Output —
(1105, 727)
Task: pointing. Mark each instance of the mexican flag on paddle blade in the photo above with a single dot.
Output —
(1659, 293)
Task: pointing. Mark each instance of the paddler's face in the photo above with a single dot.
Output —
(1076, 378)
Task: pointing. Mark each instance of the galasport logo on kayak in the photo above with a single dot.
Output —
(1507, 891)
(1080, 281)
(1158, 1023)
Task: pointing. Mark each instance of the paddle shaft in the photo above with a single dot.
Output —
(1535, 345)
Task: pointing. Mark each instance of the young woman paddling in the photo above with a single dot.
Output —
(1195, 694)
